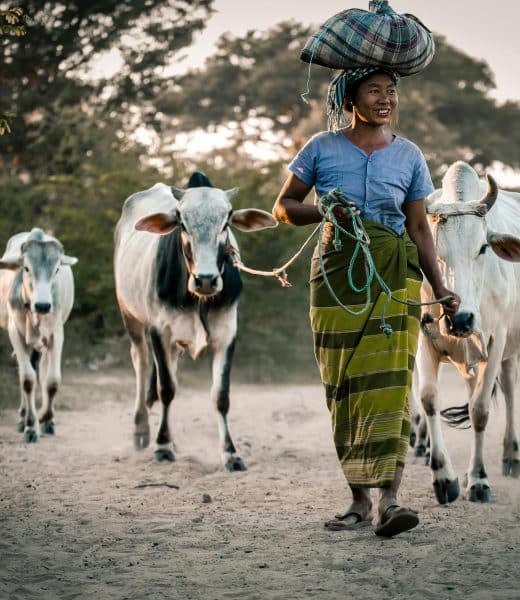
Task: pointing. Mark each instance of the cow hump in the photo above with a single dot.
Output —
(199, 179)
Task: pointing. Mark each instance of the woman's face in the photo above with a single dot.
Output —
(376, 100)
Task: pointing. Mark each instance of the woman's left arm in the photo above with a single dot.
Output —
(419, 231)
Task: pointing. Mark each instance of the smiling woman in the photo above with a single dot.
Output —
(367, 376)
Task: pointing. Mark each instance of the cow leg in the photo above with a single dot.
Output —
(166, 390)
(419, 427)
(221, 371)
(445, 481)
(50, 379)
(139, 355)
(511, 454)
(27, 375)
(477, 483)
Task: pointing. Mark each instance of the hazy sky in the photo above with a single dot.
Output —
(486, 29)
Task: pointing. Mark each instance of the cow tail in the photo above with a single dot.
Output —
(457, 416)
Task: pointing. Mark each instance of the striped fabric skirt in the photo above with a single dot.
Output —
(367, 375)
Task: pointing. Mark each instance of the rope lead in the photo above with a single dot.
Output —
(326, 205)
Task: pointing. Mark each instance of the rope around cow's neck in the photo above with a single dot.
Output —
(326, 205)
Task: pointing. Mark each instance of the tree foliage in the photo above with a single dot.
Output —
(44, 74)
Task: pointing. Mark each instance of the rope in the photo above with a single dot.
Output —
(326, 205)
(280, 273)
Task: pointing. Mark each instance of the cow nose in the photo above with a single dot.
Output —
(42, 307)
(461, 324)
(206, 284)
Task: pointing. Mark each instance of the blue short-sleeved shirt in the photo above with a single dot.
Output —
(378, 184)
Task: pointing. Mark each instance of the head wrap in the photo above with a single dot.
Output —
(338, 87)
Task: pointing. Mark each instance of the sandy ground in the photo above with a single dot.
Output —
(77, 522)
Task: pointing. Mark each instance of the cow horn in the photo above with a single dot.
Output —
(431, 198)
(491, 193)
(177, 192)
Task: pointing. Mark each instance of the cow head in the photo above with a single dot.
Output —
(204, 215)
(39, 259)
(458, 218)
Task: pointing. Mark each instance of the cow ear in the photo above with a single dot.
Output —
(504, 245)
(11, 263)
(231, 193)
(177, 192)
(252, 219)
(160, 223)
(70, 261)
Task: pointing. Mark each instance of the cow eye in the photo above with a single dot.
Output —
(483, 249)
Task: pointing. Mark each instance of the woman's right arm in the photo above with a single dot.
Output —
(289, 207)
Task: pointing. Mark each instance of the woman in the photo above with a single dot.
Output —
(367, 375)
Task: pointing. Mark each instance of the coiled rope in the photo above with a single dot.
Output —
(326, 205)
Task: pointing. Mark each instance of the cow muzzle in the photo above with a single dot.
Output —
(462, 324)
(42, 308)
(205, 285)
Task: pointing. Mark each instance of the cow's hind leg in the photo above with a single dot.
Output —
(166, 389)
(511, 453)
(419, 440)
(222, 360)
(139, 355)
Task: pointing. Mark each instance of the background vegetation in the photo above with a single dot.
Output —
(73, 152)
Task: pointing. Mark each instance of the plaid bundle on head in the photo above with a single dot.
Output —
(379, 37)
(339, 86)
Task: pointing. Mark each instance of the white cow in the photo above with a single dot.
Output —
(36, 297)
(176, 281)
(476, 228)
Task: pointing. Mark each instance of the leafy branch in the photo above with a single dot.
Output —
(12, 22)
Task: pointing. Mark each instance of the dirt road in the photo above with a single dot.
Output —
(78, 518)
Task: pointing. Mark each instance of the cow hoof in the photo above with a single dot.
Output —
(511, 467)
(420, 451)
(413, 439)
(164, 454)
(235, 463)
(48, 427)
(141, 440)
(20, 427)
(446, 490)
(479, 493)
(427, 458)
(30, 436)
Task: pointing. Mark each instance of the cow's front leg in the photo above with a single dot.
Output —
(445, 481)
(27, 375)
(477, 483)
(139, 355)
(50, 379)
(221, 371)
(166, 390)
(511, 454)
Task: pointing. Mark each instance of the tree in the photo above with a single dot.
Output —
(44, 73)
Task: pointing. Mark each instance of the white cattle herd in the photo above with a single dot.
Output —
(178, 290)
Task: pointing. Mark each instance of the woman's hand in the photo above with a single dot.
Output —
(343, 215)
(451, 304)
